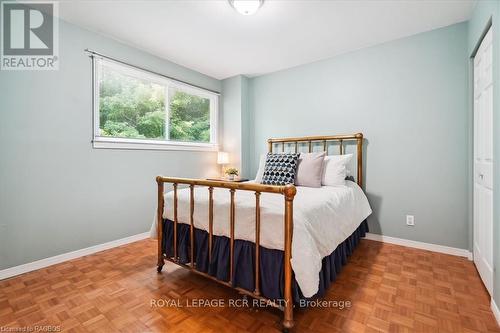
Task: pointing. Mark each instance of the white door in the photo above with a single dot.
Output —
(483, 161)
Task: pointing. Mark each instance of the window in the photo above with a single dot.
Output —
(136, 109)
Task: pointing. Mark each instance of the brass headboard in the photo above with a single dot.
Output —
(358, 137)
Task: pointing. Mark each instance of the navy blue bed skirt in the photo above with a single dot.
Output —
(271, 261)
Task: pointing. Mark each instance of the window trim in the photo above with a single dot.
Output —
(104, 142)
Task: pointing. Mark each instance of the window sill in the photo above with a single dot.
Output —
(134, 144)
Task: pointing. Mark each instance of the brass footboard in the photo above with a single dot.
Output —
(288, 193)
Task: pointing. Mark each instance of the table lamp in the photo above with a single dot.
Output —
(222, 159)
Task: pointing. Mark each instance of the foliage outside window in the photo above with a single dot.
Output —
(136, 106)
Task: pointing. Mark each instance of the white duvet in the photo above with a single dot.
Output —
(322, 219)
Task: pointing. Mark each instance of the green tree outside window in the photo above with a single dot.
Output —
(130, 107)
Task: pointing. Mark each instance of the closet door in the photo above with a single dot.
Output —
(483, 161)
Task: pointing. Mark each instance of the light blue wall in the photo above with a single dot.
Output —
(409, 98)
(246, 134)
(483, 13)
(231, 120)
(235, 134)
(57, 194)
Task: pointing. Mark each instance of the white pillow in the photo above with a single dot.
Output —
(335, 169)
(310, 169)
(262, 165)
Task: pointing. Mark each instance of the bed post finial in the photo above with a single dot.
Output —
(290, 191)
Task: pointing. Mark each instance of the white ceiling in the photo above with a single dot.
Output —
(210, 37)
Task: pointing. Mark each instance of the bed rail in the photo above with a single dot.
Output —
(288, 193)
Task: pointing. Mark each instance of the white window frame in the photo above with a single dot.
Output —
(99, 141)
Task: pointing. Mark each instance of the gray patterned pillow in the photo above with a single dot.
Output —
(280, 169)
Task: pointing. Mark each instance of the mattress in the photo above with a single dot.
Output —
(323, 218)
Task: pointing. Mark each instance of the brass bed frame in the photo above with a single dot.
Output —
(287, 191)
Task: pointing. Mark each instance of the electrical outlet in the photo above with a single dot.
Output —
(410, 220)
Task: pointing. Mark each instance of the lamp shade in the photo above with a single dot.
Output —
(222, 157)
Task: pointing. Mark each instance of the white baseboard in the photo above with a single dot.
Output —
(421, 245)
(16, 270)
(495, 310)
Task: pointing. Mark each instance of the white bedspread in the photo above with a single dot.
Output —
(323, 218)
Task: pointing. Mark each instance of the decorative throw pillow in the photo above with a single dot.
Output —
(335, 169)
(310, 169)
(280, 169)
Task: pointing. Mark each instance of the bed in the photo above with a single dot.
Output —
(283, 244)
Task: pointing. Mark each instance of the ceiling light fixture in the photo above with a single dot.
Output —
(246, 7)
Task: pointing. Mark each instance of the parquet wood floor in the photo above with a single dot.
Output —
(391, 289)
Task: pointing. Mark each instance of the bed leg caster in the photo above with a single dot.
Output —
(287, 326)
(159, 268)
